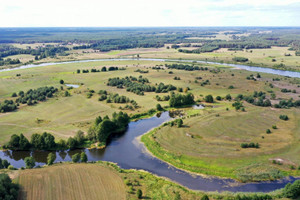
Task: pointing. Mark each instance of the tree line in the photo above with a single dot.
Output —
(103, 69)
(185, 67)
(45, 141)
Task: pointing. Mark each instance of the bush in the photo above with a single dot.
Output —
(218, 98)
(209, 99)
(204, 197)
(83, 157)
(61, 81)
(8, 190)
(158, 107)
(292, 190)
(284, 117)
(228, 97)
(139, 193)
(76, 158)
(240, 59)
(268, 131)
(50, 158)
(29, 162)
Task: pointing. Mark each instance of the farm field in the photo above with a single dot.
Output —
(100, 180)
(71, 181)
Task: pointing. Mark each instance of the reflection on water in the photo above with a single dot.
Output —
(129, 153)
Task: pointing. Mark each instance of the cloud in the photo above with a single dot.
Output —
(149, 13)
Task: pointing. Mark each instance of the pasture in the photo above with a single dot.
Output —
(210, 143)
(64, 116)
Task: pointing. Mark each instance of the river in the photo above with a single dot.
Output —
(129, 153)
(239, 66)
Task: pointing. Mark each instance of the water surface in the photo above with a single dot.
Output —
(129, 153)
(239, 66)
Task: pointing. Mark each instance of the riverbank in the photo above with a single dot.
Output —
(197, 152)
(123, 183)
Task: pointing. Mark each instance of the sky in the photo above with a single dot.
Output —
(123, 13)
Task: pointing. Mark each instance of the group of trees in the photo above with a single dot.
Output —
(257, 99)
(45, 141)
(142, 71)
(7, 106)
(39, 53)
(250, 145)
(138, 85)
(115, 98)
(287, 104)
(32, 96)
(103, 69)
(185, 67)
(8, 189)
(9, 61)
(284, 90)
(102, 129)
(178, 100)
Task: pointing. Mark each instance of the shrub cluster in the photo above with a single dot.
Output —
(32, 96)
(7, 106)
(250, 145)
(138, 85)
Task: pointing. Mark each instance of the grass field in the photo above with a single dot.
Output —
(210, 143)
(63, 116)
(71, 181)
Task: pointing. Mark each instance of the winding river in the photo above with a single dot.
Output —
(239, 66)
(129, 153)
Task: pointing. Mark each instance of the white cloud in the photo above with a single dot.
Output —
(149, 13)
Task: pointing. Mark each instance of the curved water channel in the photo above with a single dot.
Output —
(239, 66)
(129, 153)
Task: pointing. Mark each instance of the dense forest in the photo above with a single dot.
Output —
(106, 39)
